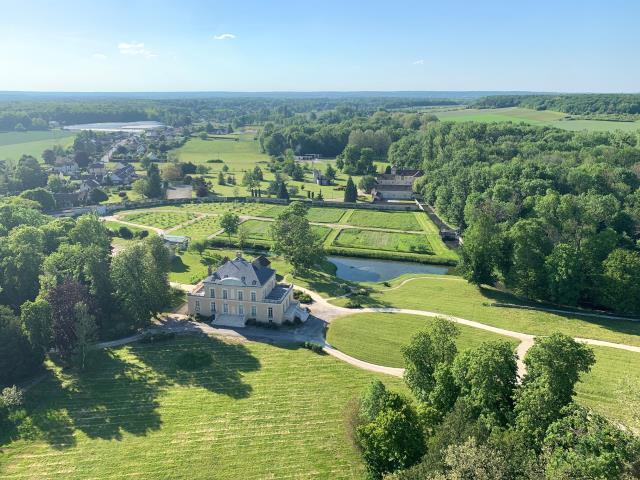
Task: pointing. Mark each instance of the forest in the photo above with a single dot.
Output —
(35, 114)
(574, 104)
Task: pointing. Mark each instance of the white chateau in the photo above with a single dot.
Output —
(241, 290)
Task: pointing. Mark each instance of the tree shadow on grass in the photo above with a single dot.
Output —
(111, 397)
(178, 266)
(223, 376)
(621, 326)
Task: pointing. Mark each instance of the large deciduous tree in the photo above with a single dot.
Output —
(294, 239)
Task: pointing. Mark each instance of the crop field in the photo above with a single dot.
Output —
(15, 144)
(380, 240)
(218, 208)
(379, 337)
(158, 219)
(136, 413)
(533, 117)
(405, 221)
(200, 229)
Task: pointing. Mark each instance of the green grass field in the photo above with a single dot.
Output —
(387, 241)
(452, 295)
(379, 337)
(393, 220)
(259, 230)
(533, 117)
(157, 219)
(326, 215)
(257, 411)
(15, 144)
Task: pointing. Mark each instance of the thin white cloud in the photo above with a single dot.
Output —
(135, 48)
(418, 62)
(99, 56)
(224, 36)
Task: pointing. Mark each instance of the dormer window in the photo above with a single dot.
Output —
(253, 283)
(243, 279)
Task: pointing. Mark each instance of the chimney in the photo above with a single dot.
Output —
(209, 270)
(239, 255)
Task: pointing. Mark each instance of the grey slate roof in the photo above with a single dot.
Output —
(239, 268)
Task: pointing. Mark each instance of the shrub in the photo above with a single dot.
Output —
(314, 347)
(157, 337)
(354, 302)
(142, 234)
(302, 297)
(194, 360)
(125, 233)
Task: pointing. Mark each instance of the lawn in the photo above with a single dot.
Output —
(379, 337)
(605, 387)
(200, 229)
(272, 211)
(244, 416)
(157, 219)
(452, 295)
(534, 117)
(387, 241)
(406, 221)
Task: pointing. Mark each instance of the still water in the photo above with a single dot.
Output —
(371, 270)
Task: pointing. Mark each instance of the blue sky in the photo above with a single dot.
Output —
(248, 45)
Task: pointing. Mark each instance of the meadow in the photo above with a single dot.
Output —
(534, 117)
(15, 144)
(135, 412)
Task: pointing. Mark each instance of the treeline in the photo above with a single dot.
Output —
(574, 104)
(470, 418)
(61, 289)
(240, 111)
(552, 214)
(328, 133)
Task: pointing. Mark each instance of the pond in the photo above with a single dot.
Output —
(131, 127)
(372, 270)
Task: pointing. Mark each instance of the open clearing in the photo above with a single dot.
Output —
(379, 337)
(15, 144)
(387, 241)
(533, 117)
(378, 219)
(241, 417)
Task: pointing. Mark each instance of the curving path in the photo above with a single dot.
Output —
(325, 310)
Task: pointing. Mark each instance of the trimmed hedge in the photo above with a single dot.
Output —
(387, 255)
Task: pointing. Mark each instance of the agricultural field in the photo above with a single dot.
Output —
(199, 229)
(405, 221)
(136, 411)
(158, 219)
(379, 337)
(15, 144)
(380, 240)
(325, 215)
(452, 295)
(533, 117)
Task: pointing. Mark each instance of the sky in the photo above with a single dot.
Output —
(347, 45)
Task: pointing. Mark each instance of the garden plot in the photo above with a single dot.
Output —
(200, 229)
(158, 219)
(406, 221)
(325, 215)
(388, 241)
